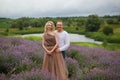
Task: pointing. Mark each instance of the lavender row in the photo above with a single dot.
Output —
(22, 60)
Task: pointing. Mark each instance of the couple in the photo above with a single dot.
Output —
(55, 43)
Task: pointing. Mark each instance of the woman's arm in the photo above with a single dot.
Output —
(44, 46)
(56, 45)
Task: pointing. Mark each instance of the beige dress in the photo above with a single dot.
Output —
(54, 64)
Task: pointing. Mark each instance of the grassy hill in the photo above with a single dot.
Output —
(5, 22)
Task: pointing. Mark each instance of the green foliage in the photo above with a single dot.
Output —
(98, 76)
(15, 31)
(87, 44)
(112, 21)
(20, 28)
(84, 64)
(37, 60)
(5, 22)
(20, 23)
(79, 57)
(96, 35)
(77, 28)
(7, 63)
(113, 47)
(26, 25)
(72, 69)
(107, 30)
(113, 38)
(104, 44)
(93, 23)
(23, 67)
(35, 78)
(7, 30)
(34, 38)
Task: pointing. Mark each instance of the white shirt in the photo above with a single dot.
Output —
(63, 39)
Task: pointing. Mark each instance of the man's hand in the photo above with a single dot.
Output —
(57, 50)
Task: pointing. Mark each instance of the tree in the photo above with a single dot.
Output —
(19, 24)
(113, 21)
(13, 24)
(93, 23)
(36, 23)
(110, 21)
(107, 30)
(26, 24)
(7, 30)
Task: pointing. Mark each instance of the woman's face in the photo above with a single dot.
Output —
(49, 27)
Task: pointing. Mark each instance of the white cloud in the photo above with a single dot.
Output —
(39, 8)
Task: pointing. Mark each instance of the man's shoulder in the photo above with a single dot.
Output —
(65, 32)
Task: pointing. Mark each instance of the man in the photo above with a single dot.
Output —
(63, 38)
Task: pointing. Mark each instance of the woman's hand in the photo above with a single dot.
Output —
(49, 52)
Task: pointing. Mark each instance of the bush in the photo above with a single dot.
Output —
(107, 30)
(104, 44)
(7, 63)
(34, 74)
(93, 23)
(79, 57)
(73, 69)
(7, 30)
(112, 21)
(17, 55)
(96, 35)
(113, 39)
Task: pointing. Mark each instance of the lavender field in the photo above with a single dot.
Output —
(21, 59)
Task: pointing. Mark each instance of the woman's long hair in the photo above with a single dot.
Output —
(52, 24)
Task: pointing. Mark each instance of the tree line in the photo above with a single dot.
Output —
(91, 23)
(26, 22)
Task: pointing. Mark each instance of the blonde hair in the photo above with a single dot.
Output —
(52, 24)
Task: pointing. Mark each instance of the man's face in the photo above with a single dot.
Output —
(59, 25)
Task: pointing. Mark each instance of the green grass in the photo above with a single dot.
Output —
(5, 23)
(87, 44)
(113, 47)
(33, 38)
(117, 30)
(80, 30)
(99, 36)
(15, 31)
(94, 45)
(107, 46)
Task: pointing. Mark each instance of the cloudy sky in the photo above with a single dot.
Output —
(57, 8)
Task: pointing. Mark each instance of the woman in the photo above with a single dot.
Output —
(53, 61)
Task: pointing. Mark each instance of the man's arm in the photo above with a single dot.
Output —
(67, 43)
